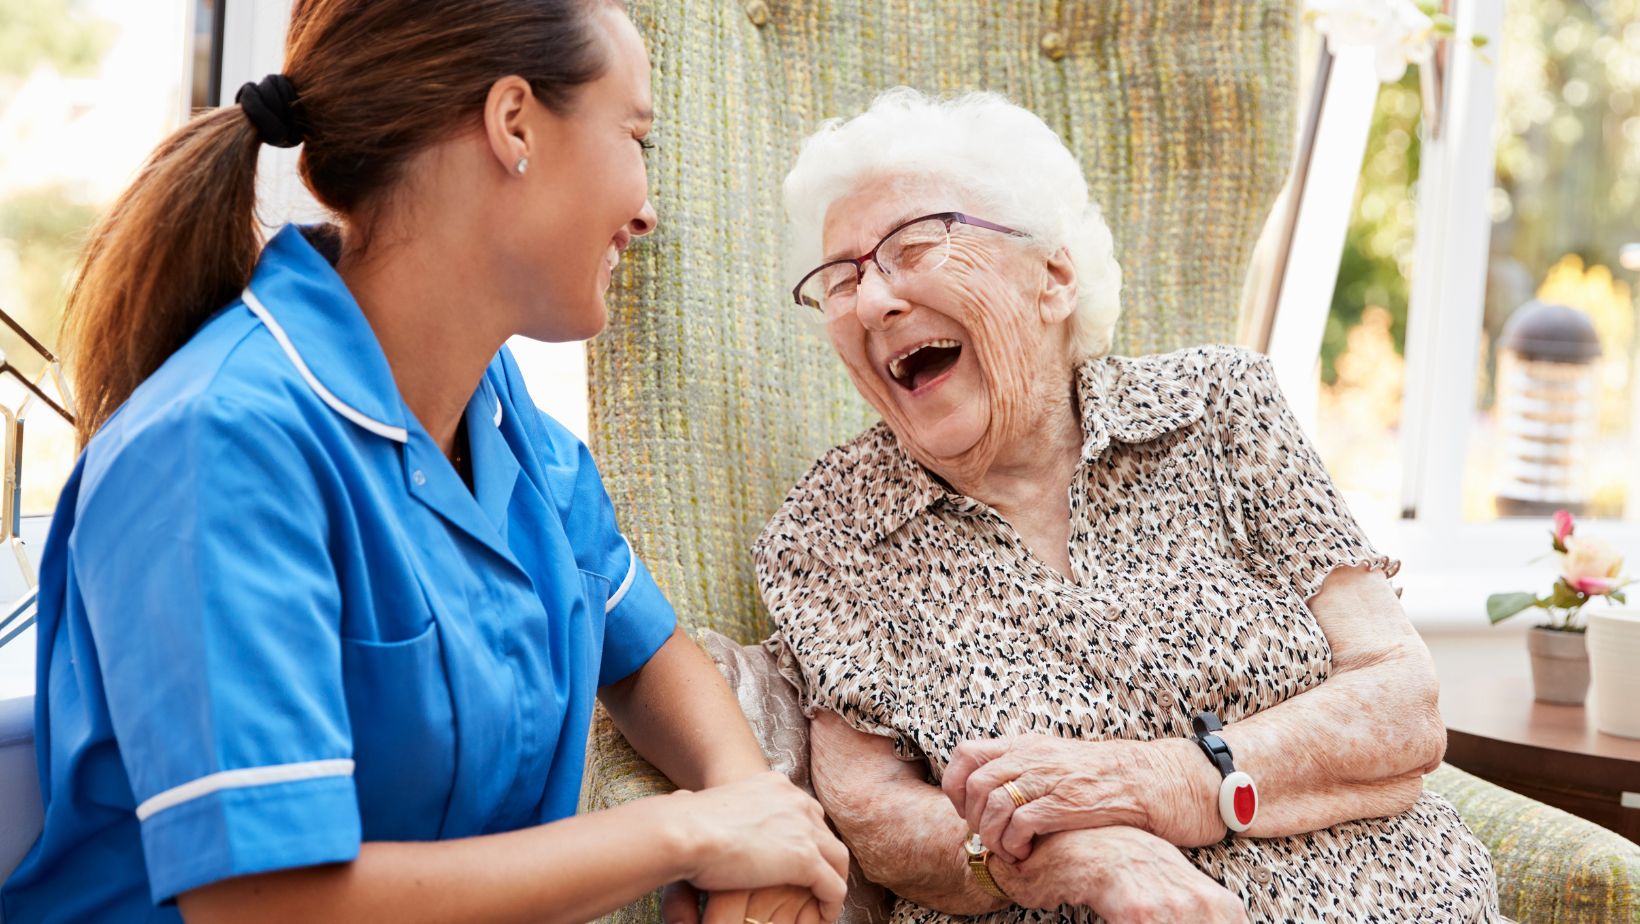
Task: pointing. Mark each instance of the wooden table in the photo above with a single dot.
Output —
(1496, 731)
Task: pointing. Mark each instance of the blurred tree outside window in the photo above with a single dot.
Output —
(1362, 370)
(87, 89)
(1565, 201)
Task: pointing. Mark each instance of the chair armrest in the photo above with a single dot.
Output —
(1551, 865)
(616, 775)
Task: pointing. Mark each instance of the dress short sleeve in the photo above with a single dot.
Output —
(199, 557)
(1280, 502)
(827, 647)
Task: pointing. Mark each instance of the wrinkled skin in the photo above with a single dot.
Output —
(1004, 299)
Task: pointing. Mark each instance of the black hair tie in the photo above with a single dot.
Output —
(271, 107)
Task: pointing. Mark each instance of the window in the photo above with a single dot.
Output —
(87, 89)
(1564, 201)
(1528, 190)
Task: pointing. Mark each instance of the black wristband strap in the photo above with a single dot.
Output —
(1238, 796)
(1203, 726)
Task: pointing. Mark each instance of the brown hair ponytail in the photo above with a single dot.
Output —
(177, 245)
(376, 81)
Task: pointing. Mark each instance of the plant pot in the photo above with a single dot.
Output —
(1560, 666)
(1614, 653)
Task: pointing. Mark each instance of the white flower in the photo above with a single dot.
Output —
(1396, 30)
(1590, 565)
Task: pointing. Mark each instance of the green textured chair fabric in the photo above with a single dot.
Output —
(709, 398)
(1553, 867)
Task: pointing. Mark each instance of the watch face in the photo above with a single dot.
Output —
(974, 847)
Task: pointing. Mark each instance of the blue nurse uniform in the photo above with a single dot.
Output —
(274, 622)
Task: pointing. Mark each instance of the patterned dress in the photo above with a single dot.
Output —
(1201, 522)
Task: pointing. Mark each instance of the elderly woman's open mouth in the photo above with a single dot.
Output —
(919, 366)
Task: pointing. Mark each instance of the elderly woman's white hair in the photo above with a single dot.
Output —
(1018, 169)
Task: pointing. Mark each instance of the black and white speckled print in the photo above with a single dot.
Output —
(1201, 522)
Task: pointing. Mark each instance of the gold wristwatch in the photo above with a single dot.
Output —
(977, 854)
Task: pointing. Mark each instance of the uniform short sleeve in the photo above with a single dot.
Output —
(200, 558)
(1280, 502)
(638, 619)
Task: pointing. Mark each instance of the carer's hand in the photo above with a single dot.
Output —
(1068, 784)
(759, 833)
(680, 904)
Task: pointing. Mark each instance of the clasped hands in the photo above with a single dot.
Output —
(1093, 823)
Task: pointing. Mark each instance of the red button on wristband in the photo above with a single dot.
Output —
(1238, 801)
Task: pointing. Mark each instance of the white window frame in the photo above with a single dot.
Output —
(1450, 565)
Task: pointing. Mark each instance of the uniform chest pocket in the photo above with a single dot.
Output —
(404, 748)
(595, 588)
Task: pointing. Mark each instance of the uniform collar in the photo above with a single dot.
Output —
(298, 295)
(1126, 400)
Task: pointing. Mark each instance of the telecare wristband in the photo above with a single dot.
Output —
(1238, 794)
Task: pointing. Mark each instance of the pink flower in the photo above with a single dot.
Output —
(1593, 586)
(1564, 524)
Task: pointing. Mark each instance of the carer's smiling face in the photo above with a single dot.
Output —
(935, 353)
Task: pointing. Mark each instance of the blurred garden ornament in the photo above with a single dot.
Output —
(1548, 401)
(1589, 568)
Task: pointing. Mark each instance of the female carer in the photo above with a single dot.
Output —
(327, 601)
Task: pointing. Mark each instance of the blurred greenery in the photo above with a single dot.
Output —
(44, 229)
(1567, 162)
(55, 31)
(1377, 260)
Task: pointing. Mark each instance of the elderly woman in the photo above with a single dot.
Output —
(1050, 573)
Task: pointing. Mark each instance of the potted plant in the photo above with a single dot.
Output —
(1589, 568)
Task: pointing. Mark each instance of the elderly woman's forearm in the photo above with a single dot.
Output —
(910, 843)
(900, 829)
(1364, 737)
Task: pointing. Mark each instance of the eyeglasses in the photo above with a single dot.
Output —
(917, 246)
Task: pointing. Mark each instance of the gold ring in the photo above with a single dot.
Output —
(1015, 794)
(753, 921)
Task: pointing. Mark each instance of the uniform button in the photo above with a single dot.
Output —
(1053, 45)
(1262, 875)
(419, 477)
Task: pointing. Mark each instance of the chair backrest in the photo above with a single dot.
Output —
(20, 812)
(709, 399)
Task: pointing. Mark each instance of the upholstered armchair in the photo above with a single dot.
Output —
(710, 398)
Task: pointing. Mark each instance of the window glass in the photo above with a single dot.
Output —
(1555, 399)
(1362, 369)
(87, 89)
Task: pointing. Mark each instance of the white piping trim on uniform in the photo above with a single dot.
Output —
(498, 409)
(240, 779)
(626, 583)
(397, 434)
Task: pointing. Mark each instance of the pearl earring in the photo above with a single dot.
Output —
(522, 165)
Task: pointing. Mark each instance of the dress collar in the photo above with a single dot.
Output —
(1121, 399)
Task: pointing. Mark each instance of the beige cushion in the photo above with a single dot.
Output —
(770, 703)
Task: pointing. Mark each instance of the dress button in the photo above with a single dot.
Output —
(1165, 700)
(419, 477)
(1053, 45)
(758, 12)
(1261, 875)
